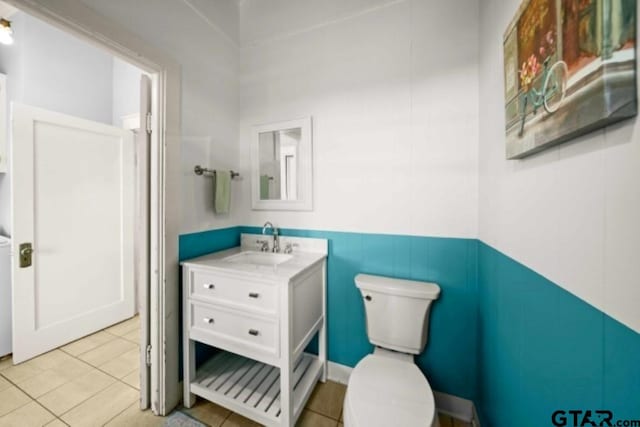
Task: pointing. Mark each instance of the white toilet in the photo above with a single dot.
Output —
(386, 388)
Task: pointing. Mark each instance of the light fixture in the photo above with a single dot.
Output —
(6, 33)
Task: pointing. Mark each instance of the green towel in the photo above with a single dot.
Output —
(222, 192)
(264, 187)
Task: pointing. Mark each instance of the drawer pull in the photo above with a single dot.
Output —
(208, 320)
(253, 295)
(209, 286)
(254, 332)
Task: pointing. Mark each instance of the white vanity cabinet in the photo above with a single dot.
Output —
(261, 317)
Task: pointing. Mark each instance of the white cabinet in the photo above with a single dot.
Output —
(261, 318)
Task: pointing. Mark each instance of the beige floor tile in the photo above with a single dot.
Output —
(29, 415)
(102, 407)
(125, 327)
(312, 419)
(459, 423)
(11, 399)
(133, 379)
(75, 392)
(31, 368)
(133, 416)
(445, 420)
(4, 384)
(107, 352)
(50, 360)
(327, 399)
(22, 372)
(43, 383)
(5, 362)
(236, 420)
(56, 423)
(87, 343)
(133, 336)
(124, 364)
(51, 379)
(208, 413)
(73, 368)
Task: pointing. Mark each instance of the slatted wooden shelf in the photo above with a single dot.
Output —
(252, 388)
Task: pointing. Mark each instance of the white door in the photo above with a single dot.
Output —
(143, 151)
(73, 200)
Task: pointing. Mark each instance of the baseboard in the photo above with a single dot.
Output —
(448, 404)
(339, 373)
(454, 406)
(476, 419)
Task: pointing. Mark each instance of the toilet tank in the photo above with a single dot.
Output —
(397, 311)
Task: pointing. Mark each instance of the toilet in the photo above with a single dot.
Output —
(387, 388)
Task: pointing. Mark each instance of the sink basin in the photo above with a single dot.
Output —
(258, 258)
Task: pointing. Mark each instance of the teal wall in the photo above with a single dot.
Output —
(501, 335)
(450, 360)
(196, 244)
(543, 349)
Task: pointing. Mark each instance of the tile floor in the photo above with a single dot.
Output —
(94, 382)
(91, 382)
(324, 409)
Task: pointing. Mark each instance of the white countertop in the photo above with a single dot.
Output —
(286, 270)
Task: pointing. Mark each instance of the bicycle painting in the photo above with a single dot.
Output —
(570, 68)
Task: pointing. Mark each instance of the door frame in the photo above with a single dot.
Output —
(80, 20)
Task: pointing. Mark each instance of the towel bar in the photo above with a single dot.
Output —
(199, 170)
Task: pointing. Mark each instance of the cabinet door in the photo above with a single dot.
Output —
(252, 336)
(237, 293)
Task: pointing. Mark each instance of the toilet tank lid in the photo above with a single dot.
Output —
(400, 287)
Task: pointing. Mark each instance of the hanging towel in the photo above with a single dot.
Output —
(264, 187)
(222, 192)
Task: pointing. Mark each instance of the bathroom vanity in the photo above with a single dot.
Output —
(261, 309)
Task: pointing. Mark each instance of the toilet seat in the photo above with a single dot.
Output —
(385, 391)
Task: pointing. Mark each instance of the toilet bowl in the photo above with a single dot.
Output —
(387, 388)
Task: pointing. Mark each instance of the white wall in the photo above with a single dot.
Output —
(571, 213)
(201, 35)
(49, 69)
(392, 87)
(125, 90)
(11, 64)
(64, 74)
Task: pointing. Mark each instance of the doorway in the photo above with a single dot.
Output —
(76, 161)
(164, 190)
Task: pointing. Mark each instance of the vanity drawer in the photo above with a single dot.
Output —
(218, 326)
(233, 292)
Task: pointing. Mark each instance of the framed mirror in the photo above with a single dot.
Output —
(281, 166)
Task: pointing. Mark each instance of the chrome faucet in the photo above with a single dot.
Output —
(274, 233)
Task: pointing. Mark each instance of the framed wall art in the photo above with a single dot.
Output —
(570, 68)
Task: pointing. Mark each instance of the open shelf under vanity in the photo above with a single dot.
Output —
(252, 388)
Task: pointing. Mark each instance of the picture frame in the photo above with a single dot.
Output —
(569, 69)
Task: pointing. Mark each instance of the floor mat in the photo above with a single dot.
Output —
(178, 419)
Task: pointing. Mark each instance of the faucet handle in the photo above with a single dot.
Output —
(288, 248)
(264, 245)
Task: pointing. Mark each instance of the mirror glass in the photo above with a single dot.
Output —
(278, 164)
(281, 166)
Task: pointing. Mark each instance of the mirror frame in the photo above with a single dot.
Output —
(305, 167)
